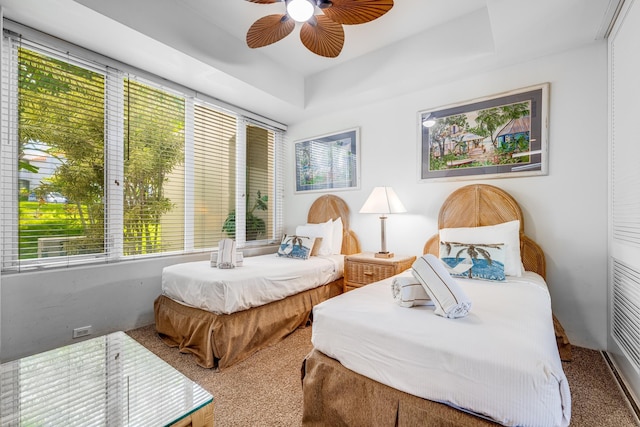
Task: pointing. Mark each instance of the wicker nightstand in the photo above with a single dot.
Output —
(362, 269)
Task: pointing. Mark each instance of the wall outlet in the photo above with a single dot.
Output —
(82, 332)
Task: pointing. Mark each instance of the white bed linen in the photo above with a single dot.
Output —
(261, 280)
(501, 361)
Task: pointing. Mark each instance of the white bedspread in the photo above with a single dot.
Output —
(501, 361)
(261, 280)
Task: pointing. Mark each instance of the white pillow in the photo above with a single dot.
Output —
(337, 236)
(507, 233)
(324, 230)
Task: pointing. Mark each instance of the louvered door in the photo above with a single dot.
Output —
(624, 200)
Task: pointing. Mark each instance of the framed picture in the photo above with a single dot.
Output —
(500, 136)
(328, 162)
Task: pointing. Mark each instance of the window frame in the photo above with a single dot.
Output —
(114, 71)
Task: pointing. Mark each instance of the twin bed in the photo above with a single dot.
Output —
(224, 316)
(377, 363)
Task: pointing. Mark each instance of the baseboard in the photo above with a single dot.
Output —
(630, 397)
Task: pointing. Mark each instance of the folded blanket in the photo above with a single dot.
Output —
(450, 300)
(239, 259)
(226, 253)
(408, 292)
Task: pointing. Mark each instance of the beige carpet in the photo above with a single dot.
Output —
(265, 390)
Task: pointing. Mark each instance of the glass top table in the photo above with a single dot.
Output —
(106, 381)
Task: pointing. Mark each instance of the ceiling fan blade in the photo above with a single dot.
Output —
(269, 29)
(351, 12)
(322, 36)
(265, 1)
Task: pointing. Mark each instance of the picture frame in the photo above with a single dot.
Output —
(499, 136)
(328, 162)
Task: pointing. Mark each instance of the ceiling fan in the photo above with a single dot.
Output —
(322, 34)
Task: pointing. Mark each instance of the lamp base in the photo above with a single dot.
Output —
(383, 255)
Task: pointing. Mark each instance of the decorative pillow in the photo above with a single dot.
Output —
(476, 261)
(324, 230)
(293, 246)
(337, 236)
(507, 233)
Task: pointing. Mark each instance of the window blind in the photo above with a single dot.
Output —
(55, 157)
(8, 155)
(214, 170)
(260, 164)
(103, 164)
(154, 140)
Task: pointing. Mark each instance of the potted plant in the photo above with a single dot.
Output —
(254, 226)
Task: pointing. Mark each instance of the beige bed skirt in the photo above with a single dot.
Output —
(222, 340)
(336, 396)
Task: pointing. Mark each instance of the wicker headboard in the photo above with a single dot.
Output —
(329, 207)
(480, 205)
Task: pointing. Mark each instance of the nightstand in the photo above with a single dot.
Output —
(362, 269)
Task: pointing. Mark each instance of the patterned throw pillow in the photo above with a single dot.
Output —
(507, 233)
(474, 261)
(294, 246)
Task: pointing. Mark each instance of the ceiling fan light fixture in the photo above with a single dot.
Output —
(322, 34)
(300, 10)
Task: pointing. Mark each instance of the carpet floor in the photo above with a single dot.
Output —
(265, 389)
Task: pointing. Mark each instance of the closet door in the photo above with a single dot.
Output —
(624, 196)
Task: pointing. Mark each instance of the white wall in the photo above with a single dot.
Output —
(41, 309)
(565, 211)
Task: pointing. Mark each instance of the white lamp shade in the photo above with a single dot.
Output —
(383, 200)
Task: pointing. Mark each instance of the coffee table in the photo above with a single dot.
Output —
(106, 381)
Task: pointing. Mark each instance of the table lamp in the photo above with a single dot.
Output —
(383, 201)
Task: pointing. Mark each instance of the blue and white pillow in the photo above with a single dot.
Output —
(294, 246)
(474, 260)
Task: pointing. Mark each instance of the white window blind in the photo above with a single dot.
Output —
(56, 160)
(102, 164)
(214, 172)
(153, 206)
(260, 175)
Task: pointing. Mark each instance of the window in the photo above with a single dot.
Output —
(60, 129)
(153, 184)
(104, 163)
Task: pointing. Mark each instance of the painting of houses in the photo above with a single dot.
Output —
(486, 137)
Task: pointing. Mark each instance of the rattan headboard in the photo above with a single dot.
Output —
(479, 205)
(333, 207)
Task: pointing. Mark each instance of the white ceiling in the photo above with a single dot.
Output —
(201, 44)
